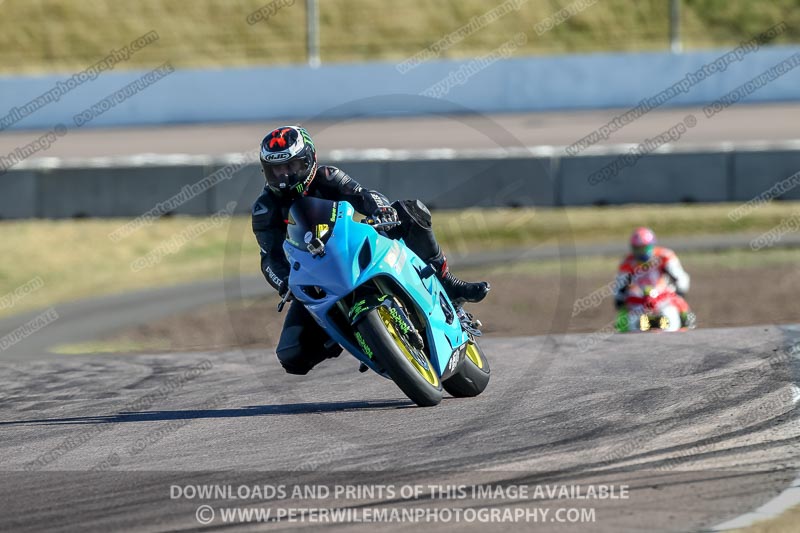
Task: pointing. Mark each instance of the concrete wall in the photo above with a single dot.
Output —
(109, 192)
(19, 195)
(656, 178)
(447, 184)
(300, 93)
(442, 183)
(755, 172)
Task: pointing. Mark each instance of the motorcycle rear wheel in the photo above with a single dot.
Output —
(473, 376)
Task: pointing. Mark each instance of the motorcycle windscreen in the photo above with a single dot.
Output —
(310, 218)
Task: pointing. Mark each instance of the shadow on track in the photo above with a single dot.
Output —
(257, 410)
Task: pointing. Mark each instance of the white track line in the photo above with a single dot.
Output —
(772, 509)
(392, 154)
(776, 506)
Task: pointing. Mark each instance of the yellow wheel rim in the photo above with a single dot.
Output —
(474, 354)
(429, 374)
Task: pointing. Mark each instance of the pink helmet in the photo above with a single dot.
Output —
(643, 237)
(643, 241)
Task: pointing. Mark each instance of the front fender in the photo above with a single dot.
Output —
(367, 302)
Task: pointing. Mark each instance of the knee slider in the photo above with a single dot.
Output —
(297, 371)
(294, 362)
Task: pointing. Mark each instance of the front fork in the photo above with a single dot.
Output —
(367, 302)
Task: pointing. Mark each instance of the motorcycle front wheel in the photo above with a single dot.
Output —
(408, 366)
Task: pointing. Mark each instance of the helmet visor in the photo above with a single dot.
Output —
(643, 253)
(284, 175)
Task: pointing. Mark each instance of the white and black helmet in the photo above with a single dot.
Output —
(289, 160)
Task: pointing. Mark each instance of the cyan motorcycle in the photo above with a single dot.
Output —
(381, 302)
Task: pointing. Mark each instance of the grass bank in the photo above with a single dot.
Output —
(69, 35)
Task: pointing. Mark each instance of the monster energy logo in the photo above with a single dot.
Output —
(358, 309)
(399, 321)
(306, 137)
(299, 188)
(363, 344)
(361, 306)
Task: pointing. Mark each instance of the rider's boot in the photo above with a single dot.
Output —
(688, 320)
(455, 288)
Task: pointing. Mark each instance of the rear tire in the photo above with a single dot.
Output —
(393, 352)
(472, 378)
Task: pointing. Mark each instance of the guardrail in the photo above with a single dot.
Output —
(129, 187)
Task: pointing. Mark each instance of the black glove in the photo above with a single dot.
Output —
(385, 214)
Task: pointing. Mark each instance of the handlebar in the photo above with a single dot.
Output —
(380, 225)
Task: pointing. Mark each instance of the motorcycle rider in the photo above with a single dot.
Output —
(648, 260)
(289, 162)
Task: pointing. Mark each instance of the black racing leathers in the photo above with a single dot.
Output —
(270, 214)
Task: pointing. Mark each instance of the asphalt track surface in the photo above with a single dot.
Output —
(701, 427)
(737, 124)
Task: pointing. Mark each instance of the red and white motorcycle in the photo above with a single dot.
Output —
(651, 304)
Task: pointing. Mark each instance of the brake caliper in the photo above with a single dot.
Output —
(404, 324)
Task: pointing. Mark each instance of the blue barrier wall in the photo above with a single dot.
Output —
(335, 91)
